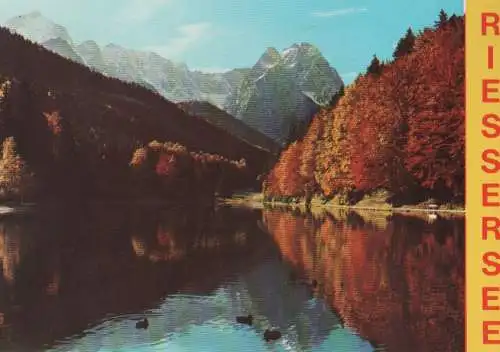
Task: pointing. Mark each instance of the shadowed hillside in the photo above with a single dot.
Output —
(71, 126)
(229, 123)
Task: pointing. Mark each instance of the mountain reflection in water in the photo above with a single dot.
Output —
(79, 280)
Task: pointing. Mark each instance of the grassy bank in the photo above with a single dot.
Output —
(375, 202)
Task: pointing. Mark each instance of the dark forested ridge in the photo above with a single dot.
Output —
(75, 131)
(229, 123)
(400, 128)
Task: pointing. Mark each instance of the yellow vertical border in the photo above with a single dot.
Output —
(476, 71)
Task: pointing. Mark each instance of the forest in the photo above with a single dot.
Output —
(70, 132)
(399, 128)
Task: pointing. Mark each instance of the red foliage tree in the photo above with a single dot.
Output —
(166, 165)
(285, 178)
(437, 129)
(400, 127)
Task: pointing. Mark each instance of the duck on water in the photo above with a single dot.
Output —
(142, 324)
(271, 335)
(248, 320)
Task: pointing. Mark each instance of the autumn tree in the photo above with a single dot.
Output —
(400, 127)
(370, 135)
(403, 83)
(333, 165)
(437, 130)
(405, 45)
(15, 178)
(285, 178)
(169, 169)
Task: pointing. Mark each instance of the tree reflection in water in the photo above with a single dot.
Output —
(79, 279)
(397, 280)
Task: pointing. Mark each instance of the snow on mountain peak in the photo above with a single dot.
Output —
(270, 57)
(90, 51)
(35, 27)
(301, 67)
(284, 89)
(298, 51)
(89, 45)
(33, 14)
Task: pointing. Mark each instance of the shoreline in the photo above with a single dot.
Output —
(256, 201)
(11, 209)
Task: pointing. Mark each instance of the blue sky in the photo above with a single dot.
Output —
(215, 35)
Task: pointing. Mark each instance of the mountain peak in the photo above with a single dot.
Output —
(113, 46)
(90, 43)
(63, 48)
(270, 57)
(33, 14)
(88, 46)
(285, 89)
(115, 49)
(90, 51)
(37, 28)
(272, 51)
(303, 45)
(301, 49)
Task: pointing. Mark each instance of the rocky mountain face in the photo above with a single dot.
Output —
(173, 80)
(37, 28)
(92, 54)
(280, 92)
(284, 90)
(64, 49)
(52, 36)
(62, 125)
(233, 126)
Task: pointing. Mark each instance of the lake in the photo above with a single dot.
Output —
(79, 278)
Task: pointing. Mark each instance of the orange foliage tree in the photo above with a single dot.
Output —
(171, 170)
(285, 179)
(399, 127)
(437, 130)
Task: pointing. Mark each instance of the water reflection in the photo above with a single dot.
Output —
(79, 279)
(399, 280)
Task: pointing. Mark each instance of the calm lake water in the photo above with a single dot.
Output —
(80, 279)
